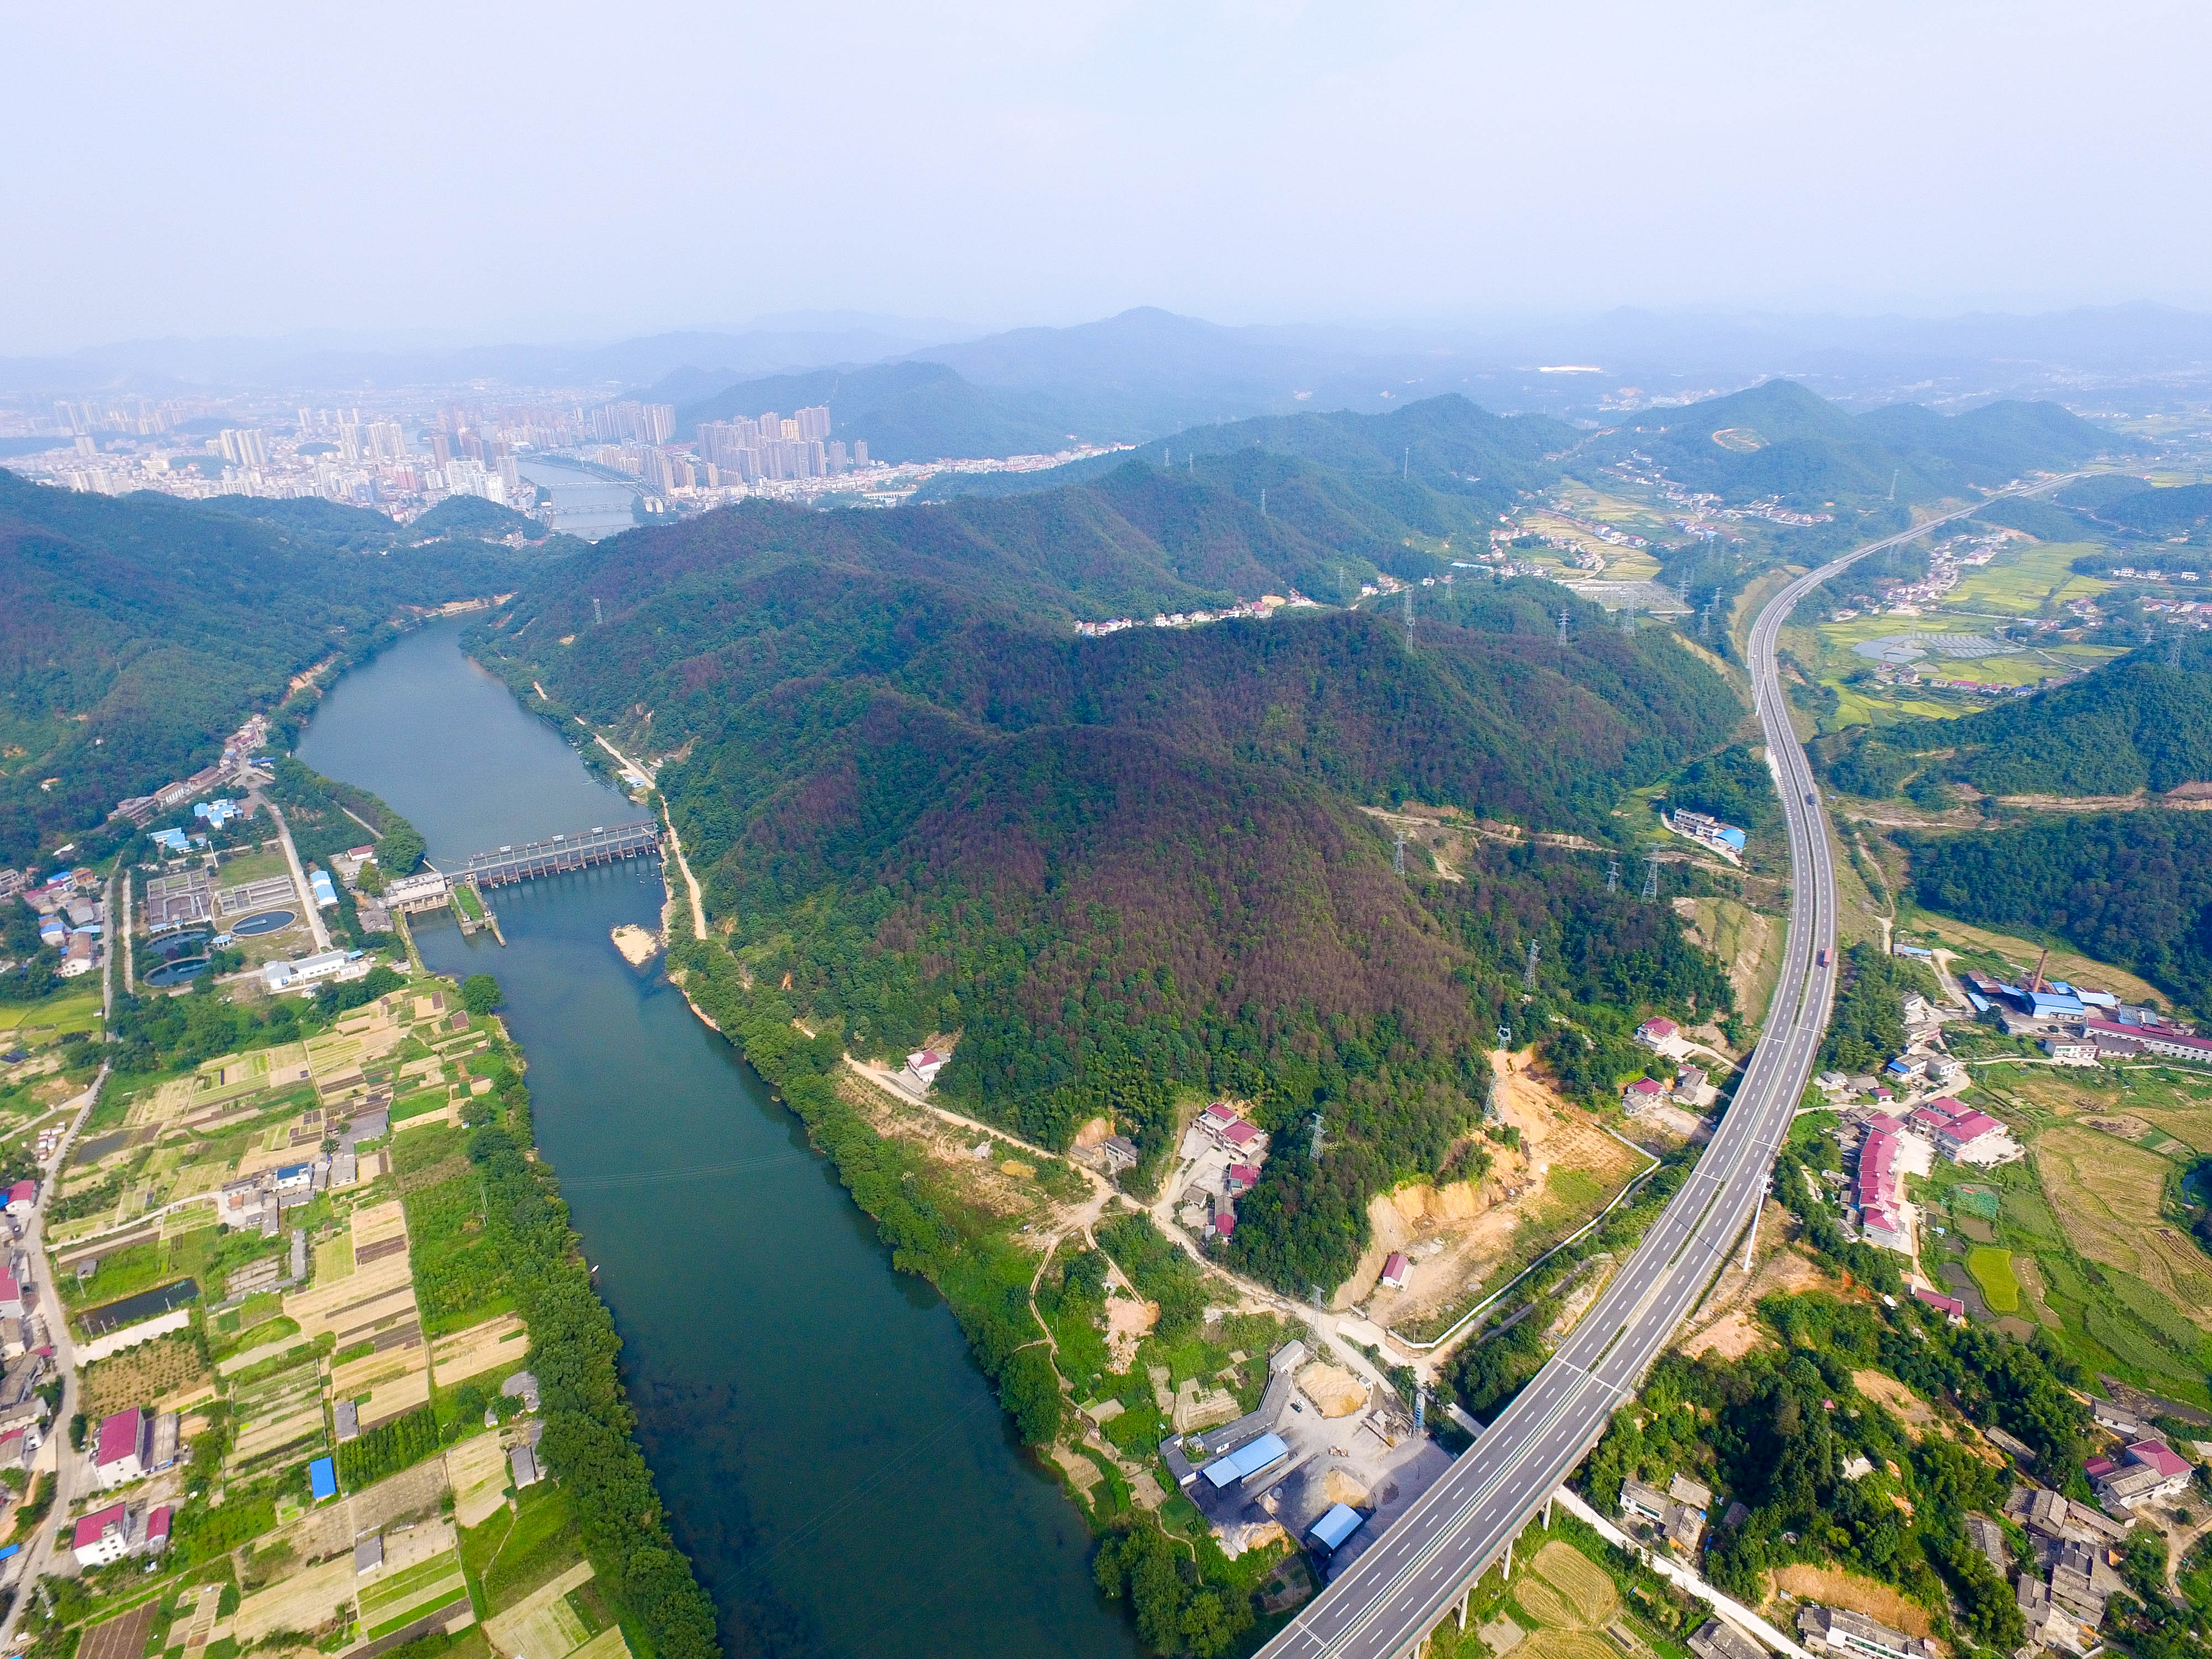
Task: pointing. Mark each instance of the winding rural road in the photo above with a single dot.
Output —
(1384, 1604)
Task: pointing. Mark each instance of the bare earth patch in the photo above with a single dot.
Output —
(1839, 1588)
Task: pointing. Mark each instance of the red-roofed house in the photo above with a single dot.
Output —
(103, 1537)
(1656, 1031)
(125, 1440)
(1949, 1305)
(157, 1528)
(1241, 1137)
(2150, 1470)
(1240, 1178)
(925, 1064)
(2098, 1467)
(1947, 1105)
(11, 1297)
(1977, 1137)
(1642, 1094)
(1394, 1270)
(24, 1198)
(2157, 1454)
(1224, 1224)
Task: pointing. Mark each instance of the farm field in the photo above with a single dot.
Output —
(1992, 1271)
(71, 1009)
(2109, 1198)
(2023, 579)
(393, 1601)
(495, 1345)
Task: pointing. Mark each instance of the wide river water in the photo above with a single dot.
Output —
(831, 1459)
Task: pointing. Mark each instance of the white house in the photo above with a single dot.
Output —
(103, 1537)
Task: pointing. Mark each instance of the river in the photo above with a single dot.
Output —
(831, 1459)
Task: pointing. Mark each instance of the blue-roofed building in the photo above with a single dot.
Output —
(171, 841)
(326, 895)
(1246, 1460)
(1980, 1002)
(1918, 952)
(323, 1478)
(1329, 1533)
(2055, 1005)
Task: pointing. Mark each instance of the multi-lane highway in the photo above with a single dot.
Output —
(1388, 1601)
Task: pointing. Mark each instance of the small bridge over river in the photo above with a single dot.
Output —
(599, 845)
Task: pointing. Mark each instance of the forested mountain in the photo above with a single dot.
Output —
(1118, 863)
(2184, 509)
(2131, 887)
(1434, 466)
(136, 632)
(1779, 439)
(2142, 721)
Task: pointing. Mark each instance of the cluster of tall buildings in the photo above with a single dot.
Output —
(797, 445)
(632, 421)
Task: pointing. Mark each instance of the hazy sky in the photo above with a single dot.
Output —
(556, 171)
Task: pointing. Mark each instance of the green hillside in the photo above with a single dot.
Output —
(1119, 865)
(2185, 509)
(136, 633)
(1780, 439)
(2130, 888)
(2142, 721)
(1432, 467)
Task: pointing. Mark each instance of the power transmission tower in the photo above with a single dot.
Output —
(1398, 855)
(1628, 619)
(1316, 1142)
(1528, 975)
(1263, 501)
(1409, 611)
(1893, 477)
(1613, 876)
(1563, 627)
(1406, 467)
(1652, 875)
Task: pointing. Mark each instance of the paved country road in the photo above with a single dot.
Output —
(1388, 1601)
(40, 1292)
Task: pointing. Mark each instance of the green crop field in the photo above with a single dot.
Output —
(76, 1008)
(2018, 584)
(1992, 1271)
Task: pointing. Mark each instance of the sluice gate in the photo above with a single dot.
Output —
(599, 845)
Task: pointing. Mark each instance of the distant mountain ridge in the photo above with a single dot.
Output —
(1782, 440)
